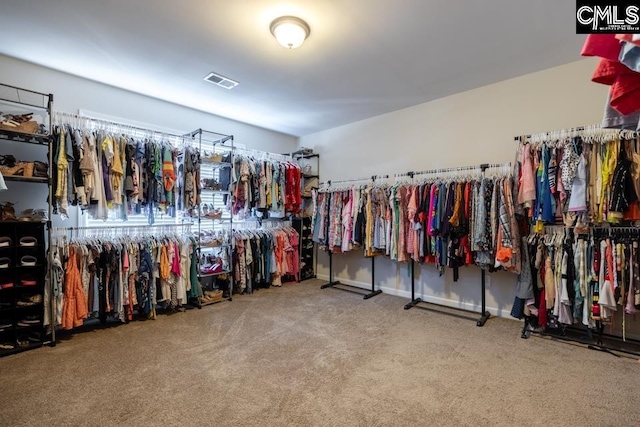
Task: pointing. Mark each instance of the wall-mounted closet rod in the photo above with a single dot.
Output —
(415, 302)
(75, 120)
(349, 288)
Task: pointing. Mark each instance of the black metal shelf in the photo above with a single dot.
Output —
(28, 138)
(224, 245)
(305, 156)
(223, 192)
(16, 230)
(32, 179)
(202, 275)
(18, 349)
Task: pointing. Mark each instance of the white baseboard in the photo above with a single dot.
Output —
(427, 298)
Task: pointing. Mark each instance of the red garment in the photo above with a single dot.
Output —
(633, 212)
(175, 267)
(603, 45)
(293, 194)
(542, 309)
(624, 82)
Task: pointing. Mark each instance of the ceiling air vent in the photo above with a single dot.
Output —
(221, 81)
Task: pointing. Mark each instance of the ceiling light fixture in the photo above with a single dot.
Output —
(290, 31)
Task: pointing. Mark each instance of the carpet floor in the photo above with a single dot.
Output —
(301, 356)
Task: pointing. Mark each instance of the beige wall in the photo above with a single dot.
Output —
(468, 128)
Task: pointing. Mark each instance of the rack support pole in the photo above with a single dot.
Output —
(484, 314)
(373, 292)
(331, 282)
(414, 301)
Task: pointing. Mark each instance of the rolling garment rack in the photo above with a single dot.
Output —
(417, 302)
(600, 341)
(342, 286)
(586, 336)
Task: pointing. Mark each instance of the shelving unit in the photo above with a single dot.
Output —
(21, 304)
(22, 288)
(310, 180)
(215, 242)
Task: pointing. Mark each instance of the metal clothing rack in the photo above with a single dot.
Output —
(585, 131)
(342, 286)
(416, 302)
(585, 336)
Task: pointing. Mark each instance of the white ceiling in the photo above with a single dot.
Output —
(363, 58)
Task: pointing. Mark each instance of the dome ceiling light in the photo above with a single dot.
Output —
(290, 31)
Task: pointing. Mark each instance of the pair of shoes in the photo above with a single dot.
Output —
(212, 157)
(28, 280)
(210, 184)
(214, 214)
(40, 169)
(24, 169)
(29, 321)
(215, 267)
(25, 261)
(28, 261)
(30, 301)
(28, 241)
(212, 296)
(6, 346)
(33, 215)
(5, 324)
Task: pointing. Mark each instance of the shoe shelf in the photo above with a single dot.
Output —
(34, 179)
(217, 164)
(216, 191)
(310, 164)
(214, 274)
(205, 302)
(216, 154)
(25, 138)
(26, 119)
(22, 306)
